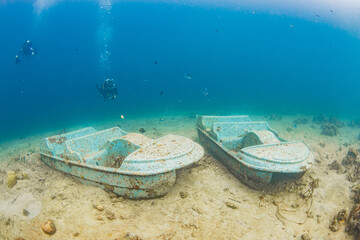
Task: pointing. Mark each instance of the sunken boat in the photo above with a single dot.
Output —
(129, 164)
(252, 151)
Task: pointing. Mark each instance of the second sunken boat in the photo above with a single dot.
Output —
(252, 151)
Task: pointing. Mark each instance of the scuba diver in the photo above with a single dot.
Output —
(108, 89)
(26, 50)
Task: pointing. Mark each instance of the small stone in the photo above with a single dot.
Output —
(99, 207)
(11, 179)
(231, 205)
(53, 197)
(334, 226)
(184, 195)
(19, 238)
(305, 236)
(26, 212)
(7, 222)
(76, 234)
(110, 215)
(100, 218)
(132, 236)
(198, 210)
(295, 205)
(49, 227)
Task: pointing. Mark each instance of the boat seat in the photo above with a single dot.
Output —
(206, 122)
(168, 146)
(138, 139)
(55, 145)
(259, 137)
(225, 131)
(91, 143)
(283, 152)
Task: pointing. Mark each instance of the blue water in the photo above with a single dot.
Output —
(240, 62)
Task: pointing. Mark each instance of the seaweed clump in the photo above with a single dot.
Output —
(329, 125)
(329, 129)
(353, 221)
(352, 164)
(338, 219)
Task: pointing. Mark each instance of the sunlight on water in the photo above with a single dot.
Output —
(344, 14)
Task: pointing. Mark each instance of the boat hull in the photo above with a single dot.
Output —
(254, 178)
(125, 185)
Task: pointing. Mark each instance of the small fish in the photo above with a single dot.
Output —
(188, 76)
(122, 116)
(155, 62)
(295, 126)
(162, 92)
(205, 92)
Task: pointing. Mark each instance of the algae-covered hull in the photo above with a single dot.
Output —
(252, 151)
(130, 165)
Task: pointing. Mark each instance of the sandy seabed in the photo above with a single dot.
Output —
(207, 202)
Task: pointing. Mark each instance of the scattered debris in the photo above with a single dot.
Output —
(26, 212)
(48, 227)
(184, 195)
(322, 144)
(338, 219)
(231, 205)
(305, 236)
(110, 215)
(132, 236)
(98, 207)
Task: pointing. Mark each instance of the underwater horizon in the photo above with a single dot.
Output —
(175, 59)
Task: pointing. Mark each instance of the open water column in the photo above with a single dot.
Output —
(105, 36)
